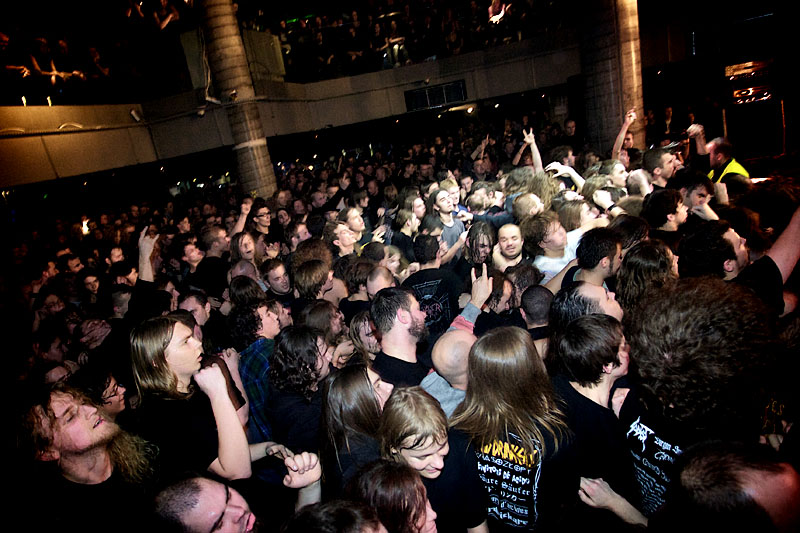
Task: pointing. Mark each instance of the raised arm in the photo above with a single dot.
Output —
(247, 203)
(233, 453)
(630, 117)
(786, 251)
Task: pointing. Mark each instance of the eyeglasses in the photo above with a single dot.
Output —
(260, 215)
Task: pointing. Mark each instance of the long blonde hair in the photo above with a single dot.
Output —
(509, 391)
(149, 341)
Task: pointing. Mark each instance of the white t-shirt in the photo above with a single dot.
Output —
(550, 266)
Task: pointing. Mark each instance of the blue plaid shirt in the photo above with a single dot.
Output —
(253, 367)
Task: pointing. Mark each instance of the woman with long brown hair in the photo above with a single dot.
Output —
(519, 434)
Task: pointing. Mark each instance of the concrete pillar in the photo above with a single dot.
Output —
(234, 85)
(612, 70)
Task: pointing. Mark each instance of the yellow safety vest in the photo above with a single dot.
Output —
(733, 167)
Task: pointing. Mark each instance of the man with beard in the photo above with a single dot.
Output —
(101, 475)
(397, 316)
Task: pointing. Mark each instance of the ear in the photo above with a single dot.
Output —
(607, 368)
(208, 306)
(729, 265)
(336, 242)
(403, 316)
(671, 217)
(604, 262)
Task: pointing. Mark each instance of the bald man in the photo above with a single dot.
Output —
(448, 384)
(379, 278)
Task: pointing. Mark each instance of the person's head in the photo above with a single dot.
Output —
(426, 249)
(535, 305)
(252, 321)
(522, 276)
(352, 401)
(630, 229)
(396, 492)
(339, 237)
(524, 404)
(120, 298)
(335, 516)
(300, 361)
(502, 295)
(352, 217)
(713, 248)
(600, 248)
(243, 246)
(731, 486)
(563, 155)
(275, 277)
(191, 254)
(90, 280)
(480, 242)
(660, 163)
(589, 349)
(413, 430)
(199, 504)
(695, 188)
(101, 387)
(260, 216)
(323, 316)
(720, 337)
(627, 142)
(165, 355)
(215, 240)
(397, 307)
(450, 355)
(244, 290)
(573, 214)
(580, 299)
(543, 232)
(124, 273)
(62, 423)
(526, 205)
(356, 276)
(406, 219)
(720, 152)
(379, 278)
(312, 278)
(196, 302)
(664, 208)
(647, 266)
(615, 171)
(431, 225)
(362, 333)
(510, 240)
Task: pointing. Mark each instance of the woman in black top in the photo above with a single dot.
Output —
(353, 399)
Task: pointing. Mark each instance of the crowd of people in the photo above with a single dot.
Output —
(503, 340)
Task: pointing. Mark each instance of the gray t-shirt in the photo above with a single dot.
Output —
(439, 388)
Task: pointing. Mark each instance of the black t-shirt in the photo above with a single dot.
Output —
(351, 308)
(764, 278)
(294, 419)
(66, 506)
(405, 244)
(339, 470)
(184, 430)
(600, 447)
(398, 372)
(457, 495)
(437, 291)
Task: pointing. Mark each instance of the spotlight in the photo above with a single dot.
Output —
(470, 109)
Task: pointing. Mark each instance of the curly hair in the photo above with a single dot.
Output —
(293, 366)
(702, 353)
(646, 266)
(243, 323)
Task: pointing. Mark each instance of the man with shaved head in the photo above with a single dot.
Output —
(379, 278)
(449, 383)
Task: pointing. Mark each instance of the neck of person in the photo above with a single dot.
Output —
(436, 263)
(360, 296)
(595, 276)
(598, 393)
(669, 225)
(88, 468)
(446, 218)
(214, 252)
(343, 251)
(658, 180)
(400, 345)
(458, 382)
(554, 254)
(183, 383)
(406, 230)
